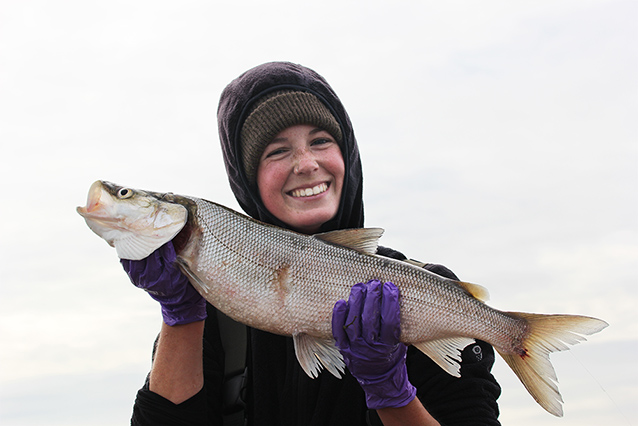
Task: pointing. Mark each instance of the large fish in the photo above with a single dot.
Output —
(287, 283)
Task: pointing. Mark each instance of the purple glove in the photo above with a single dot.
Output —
(181, 303)
(367, 331)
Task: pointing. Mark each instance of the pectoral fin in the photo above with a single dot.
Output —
(446, 353)
(313, 354)
(168, 221)
(135, 247)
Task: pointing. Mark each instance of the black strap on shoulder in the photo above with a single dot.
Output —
(233, 336)
(234, 341)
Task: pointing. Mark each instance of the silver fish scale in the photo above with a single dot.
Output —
(287, 283)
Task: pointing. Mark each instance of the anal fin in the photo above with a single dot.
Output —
(314, 354)
(446, 353)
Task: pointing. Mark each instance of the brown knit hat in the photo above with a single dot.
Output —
(274, 113)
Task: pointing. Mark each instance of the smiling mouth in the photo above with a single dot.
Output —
(309, 192)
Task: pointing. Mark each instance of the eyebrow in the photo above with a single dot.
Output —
(312, 132)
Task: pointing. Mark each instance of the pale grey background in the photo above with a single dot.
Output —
(498, 138)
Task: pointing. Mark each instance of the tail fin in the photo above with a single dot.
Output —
(547, 334)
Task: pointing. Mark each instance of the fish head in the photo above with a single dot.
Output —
(133, 221)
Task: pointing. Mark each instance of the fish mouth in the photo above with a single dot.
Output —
(310, 191)
(93, 198)
(94, 216)
(94, 207)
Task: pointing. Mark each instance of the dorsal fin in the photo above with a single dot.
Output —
(364, 240)
(477, 291)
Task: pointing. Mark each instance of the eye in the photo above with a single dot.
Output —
(275, 152)
(124, 193)
(322, 141)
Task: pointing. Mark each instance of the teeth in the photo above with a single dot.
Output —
(307, 192)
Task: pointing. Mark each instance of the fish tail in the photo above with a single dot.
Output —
(530, 359)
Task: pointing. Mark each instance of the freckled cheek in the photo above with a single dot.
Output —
(336, 168)
(270, 182)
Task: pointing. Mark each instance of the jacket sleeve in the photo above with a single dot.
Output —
(153, 409)
(468, 400)
(203, 408)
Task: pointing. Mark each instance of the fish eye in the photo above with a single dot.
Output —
(124, 193)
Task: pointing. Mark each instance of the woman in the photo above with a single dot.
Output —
(293, 161)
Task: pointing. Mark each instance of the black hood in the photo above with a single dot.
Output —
(235, 103)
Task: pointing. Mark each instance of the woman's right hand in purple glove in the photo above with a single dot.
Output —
(160, 277)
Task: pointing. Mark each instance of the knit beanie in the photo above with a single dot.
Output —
(276, 112)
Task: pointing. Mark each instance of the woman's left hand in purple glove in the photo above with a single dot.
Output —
(367, 329)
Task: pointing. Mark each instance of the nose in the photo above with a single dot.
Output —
(305, 162)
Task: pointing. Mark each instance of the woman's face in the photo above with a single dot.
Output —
(300, 177)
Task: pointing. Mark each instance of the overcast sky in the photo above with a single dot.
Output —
(498, 138)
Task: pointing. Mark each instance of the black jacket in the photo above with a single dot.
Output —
(278, 391)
